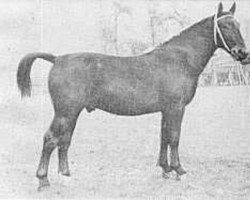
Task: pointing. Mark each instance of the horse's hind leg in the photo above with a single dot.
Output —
(50, 141)
(60, 129)
(63, 146)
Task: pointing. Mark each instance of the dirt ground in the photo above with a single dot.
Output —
(111, 157)
(115, 157)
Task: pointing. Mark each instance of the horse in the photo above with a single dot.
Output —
(162, 80)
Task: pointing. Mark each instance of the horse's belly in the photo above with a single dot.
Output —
(128, 105)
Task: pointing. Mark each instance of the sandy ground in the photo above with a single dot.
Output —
(115, 157)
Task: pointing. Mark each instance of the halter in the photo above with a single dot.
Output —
(217, 30)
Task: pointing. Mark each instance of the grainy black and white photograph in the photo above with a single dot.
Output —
(125, 99)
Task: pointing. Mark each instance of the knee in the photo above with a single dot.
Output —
(174, 141)
(50, 142)
(166, 138)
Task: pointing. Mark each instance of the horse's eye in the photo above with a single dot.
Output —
(226, 26)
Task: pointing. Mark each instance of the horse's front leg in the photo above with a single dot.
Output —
(171, 135)
(163, 156)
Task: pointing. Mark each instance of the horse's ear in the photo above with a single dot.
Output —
(233, 8)
(220, 8)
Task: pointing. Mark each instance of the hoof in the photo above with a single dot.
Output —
(182, 177)
(43, 184)
(179, 170)
(167, 169)
(178, 177)
(166, 175)
(64, 172)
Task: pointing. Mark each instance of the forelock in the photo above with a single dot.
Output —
(224, 13)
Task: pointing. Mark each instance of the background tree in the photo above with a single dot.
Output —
(118, 10)
(110, 27)
(161, 21)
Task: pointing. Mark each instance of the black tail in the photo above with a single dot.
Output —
(23, 72)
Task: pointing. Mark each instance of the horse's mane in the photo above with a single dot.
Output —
(194, 27)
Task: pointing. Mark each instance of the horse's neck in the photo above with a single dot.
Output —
(198, 42)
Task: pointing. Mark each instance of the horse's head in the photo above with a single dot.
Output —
(227, 33)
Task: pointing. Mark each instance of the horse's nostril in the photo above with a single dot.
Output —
(234, 51)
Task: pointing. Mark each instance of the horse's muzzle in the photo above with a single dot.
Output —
(239, 53)
(246, 61)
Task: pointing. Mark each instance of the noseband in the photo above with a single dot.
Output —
(217, 30)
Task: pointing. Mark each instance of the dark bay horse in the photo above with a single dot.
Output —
(163, 80)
